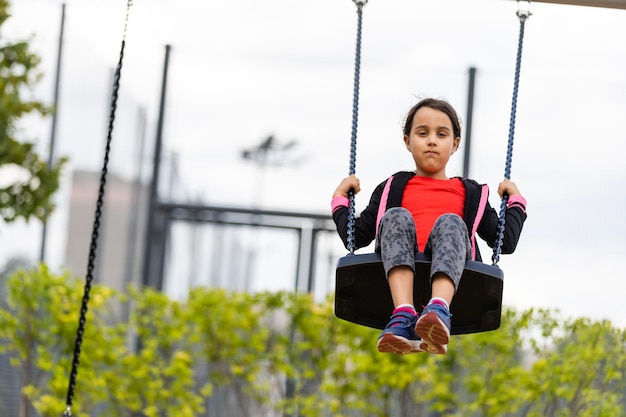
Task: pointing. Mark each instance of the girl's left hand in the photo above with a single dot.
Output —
(509, 187)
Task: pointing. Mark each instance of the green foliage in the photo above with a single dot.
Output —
(29, 194)
(285, 353)
(591, 380)
(38, 330)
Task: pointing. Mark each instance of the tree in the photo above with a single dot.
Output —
(581, 371)
(33, 182)
(229, 354)
(9, 269)
(37, 331)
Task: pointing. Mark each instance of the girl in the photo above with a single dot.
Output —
(426, 211)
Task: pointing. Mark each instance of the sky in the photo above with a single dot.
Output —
(242, 70)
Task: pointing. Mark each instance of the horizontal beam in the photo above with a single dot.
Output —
(611, 4)
(199, 213)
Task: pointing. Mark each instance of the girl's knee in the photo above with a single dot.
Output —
(449, 220)
(396, 225)
(450, 217)
(450, 223)
(397, 212)
(397, 216)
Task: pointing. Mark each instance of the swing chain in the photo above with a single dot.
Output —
(129, 4)
(351, 240)
(96, 227)
(509, 153)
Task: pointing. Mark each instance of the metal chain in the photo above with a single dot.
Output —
(522, 15)
(96, 227)
(355, 118)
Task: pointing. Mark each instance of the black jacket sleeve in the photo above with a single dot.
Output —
(365, 224)
(514, 221)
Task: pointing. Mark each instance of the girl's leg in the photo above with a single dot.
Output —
(449, 247)
(400, 280)
(397, 244)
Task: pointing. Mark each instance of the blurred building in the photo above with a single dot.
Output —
(121, 232)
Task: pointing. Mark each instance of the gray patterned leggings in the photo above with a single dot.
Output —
(448, 244)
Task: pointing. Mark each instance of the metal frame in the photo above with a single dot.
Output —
(165, 213)
(611, 4)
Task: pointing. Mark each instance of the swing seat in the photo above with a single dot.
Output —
(362, 294)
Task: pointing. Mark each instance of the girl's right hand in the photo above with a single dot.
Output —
(351, 182)
(509, 187)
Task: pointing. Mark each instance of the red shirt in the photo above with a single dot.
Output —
(428, 198)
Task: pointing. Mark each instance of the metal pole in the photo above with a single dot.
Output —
(44, 232)
(468, 121)
(136, 198)
(300, 232)
(312, 260)
(149, 264)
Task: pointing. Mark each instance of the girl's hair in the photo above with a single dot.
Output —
(436, 104)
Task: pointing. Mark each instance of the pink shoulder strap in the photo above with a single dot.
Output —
(382, 207)
(484, 194)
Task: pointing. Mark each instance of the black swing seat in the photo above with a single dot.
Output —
(362, 293)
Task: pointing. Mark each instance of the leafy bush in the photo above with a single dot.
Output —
(228, 353)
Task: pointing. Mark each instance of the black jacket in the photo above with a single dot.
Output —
(480, 218)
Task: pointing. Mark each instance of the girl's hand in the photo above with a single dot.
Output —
(509, 187)
(351, 182)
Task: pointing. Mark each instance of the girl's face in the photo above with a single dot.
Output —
(431, 141)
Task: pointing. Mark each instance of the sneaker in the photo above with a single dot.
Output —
(399, 336)
(433, 327)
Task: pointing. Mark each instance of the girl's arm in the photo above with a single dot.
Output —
(515, 216)
(365, 224)
(508, 186)
(351, 182)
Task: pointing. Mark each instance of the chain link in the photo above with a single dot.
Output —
(355, 122)
(96, 227)
(509, 152)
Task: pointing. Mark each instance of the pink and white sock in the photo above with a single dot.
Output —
(440, 301)
(407, 308)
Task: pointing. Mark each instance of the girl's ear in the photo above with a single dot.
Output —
(407, 142)
(457, 141)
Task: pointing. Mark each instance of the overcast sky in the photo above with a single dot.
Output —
(242, 70)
